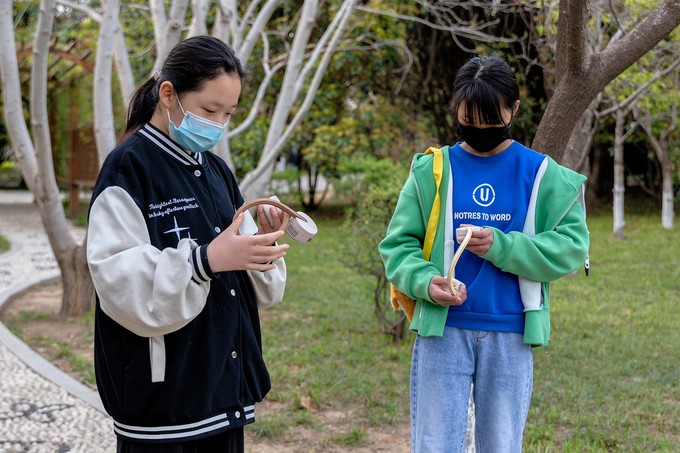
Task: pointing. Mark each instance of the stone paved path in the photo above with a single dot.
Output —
(37, 414)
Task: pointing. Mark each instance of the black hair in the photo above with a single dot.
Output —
(188, 66)
(484, 84)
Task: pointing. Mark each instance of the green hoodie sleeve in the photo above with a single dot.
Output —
(402, 248)
(546, 256)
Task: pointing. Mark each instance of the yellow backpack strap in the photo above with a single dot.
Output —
(399, 299)
(437, 171)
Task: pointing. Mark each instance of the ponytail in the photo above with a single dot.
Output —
(142, 106)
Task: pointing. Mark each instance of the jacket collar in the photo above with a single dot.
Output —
(167, 145)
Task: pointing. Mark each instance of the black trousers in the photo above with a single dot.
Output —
(230, 441)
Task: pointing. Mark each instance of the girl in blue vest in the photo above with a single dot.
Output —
(533, 232)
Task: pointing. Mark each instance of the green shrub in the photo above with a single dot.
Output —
(374, 191)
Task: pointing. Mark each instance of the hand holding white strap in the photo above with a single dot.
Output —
(269, 201)
(456, 257)
(302, 228)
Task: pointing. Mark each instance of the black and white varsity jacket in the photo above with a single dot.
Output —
(178, 351)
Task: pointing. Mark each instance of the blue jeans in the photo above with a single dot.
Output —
(499, 365)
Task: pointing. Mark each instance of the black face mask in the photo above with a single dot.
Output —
(483, 140)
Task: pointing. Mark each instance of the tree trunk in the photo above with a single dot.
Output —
(619, 175)
(581, 140)
(582, 76)
(561, 117)
(36, 159)
(104, 130)
(199, 9)
(168, 30)
(660, 146)
(126, 79)
(667, 208)
(123, 68)
(593, 179)
(279, 133)
(287, 96)
(244, 46)
(79, 295)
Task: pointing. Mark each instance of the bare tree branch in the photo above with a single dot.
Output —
(641, 89)
(104, 130)
(269, 73)
(469, 30)
(169, 31)
(271, 154)
(630, 48)
(125, 77)
(45, 192)
(199, 9)
(288, 94)
(12, 105)
(256, 29)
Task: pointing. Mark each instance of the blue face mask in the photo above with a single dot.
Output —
(194, 133)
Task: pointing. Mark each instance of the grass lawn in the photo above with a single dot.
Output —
(322, 342)
(609, 381)
(4, 244)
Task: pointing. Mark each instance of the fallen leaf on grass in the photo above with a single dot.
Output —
(308, 403)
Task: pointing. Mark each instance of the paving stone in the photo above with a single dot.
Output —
(36, 415)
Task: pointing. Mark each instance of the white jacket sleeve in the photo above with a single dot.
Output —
(269, 285)
(148, 291)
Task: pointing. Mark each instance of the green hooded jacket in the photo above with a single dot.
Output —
(554, 243)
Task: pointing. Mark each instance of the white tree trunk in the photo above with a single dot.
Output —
(125, 77)
(660, 146)
(288, 95)
(12, 105)
(160, 21)
(254, 183)
(168, 30)
(37, 167)
(244, 47)
(667, 199)
(46, 191)
(620, 135)
(104, 130)
(619, 190)
(199, 9)
(226, 25)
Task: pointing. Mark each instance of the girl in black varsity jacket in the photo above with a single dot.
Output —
(178, 353)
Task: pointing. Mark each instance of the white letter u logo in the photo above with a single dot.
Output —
(484, 195)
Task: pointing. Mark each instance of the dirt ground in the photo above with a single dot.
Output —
(49, 335)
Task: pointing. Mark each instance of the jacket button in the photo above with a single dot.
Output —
(232, 292)
(237, 414)
(197, 173)
(234, 354)
(217, 229)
